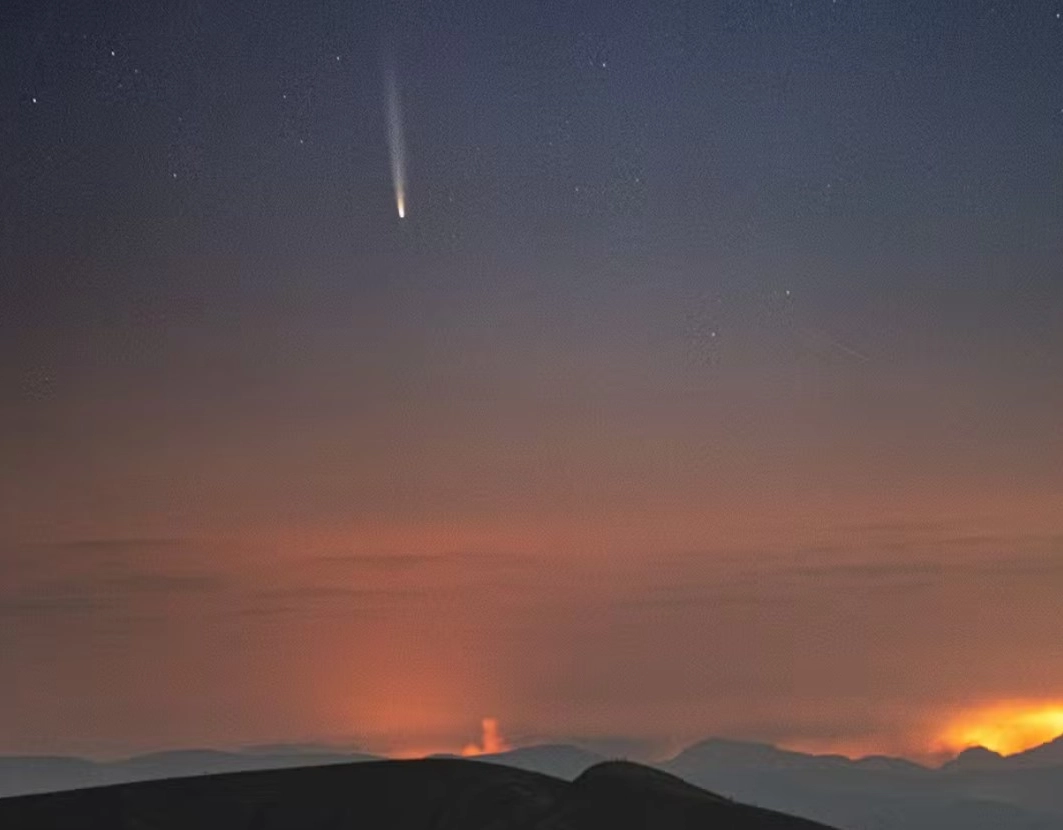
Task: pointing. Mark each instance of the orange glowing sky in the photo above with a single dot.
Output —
(856, 637)
(1006, 727)
(853, 637)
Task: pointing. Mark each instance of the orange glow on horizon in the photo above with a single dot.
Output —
(1005, 728)
(491, 743)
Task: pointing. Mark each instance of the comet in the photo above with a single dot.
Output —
(396, 142)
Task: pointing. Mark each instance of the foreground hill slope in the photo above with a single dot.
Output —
(400, 795)
(558, 760)
(44, 774)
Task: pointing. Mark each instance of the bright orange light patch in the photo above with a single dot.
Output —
(492, 741)
(1006, 728)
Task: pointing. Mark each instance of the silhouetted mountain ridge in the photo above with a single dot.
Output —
(979, 790)
(560, 760)
(398, 795)
(22, 775)
(976, 758)
(880, 793)
(1046, 755)
(733, 753)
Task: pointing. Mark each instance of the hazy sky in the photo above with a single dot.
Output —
(712, 384)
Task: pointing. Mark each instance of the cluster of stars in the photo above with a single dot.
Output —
(116, 83)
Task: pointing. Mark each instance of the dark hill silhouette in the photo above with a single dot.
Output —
(620, 794)
(884, 763)
(558, 760)
(305, 749)
(21, 775)
(979, 791)
(184, 762)
(46, 773)
(748, 754)
(980, 759)
(977, 758)
(883, 794)
(1045, 755)
(397, 795)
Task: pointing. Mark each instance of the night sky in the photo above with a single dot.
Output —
(711, 385)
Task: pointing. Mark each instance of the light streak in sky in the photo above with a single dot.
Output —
(396, 142)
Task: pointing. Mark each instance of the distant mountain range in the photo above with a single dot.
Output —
(434, 794)
(980, 758)
(978, 790)
(1019, 792)
(879, 793)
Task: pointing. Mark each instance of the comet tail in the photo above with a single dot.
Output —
(396, 143)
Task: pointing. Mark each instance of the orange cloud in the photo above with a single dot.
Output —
(1006, 727)
(491, 743)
